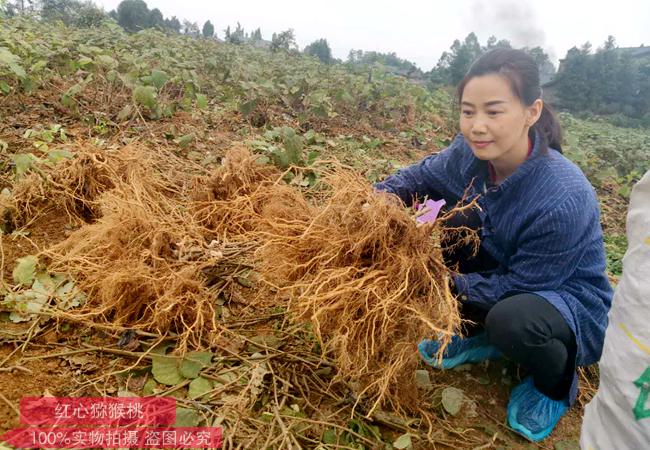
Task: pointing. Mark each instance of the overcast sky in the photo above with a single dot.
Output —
(419, 30)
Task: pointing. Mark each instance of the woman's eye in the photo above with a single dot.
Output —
(467, 113)
(493, 113)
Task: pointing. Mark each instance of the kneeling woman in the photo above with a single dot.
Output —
(538, 285)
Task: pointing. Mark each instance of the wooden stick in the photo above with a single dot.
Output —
(11, 405)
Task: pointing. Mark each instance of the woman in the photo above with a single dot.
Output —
(538, 285)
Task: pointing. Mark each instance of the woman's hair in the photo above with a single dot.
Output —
(520, 69)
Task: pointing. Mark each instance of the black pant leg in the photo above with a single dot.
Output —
(530, 331)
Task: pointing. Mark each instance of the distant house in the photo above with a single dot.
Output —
(550, 88)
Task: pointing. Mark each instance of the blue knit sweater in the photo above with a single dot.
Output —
(542, 224)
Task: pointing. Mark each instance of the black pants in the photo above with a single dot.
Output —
(524, 327)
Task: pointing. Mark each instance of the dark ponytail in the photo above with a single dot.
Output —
(520, 69)
(549, 128)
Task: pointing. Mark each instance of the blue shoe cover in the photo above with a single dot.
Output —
(533, 414)
(459, 351)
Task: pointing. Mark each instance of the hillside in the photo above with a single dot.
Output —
(154, 185)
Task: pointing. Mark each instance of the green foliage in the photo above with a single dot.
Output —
(285, 41)
(145, 96)
(133, 15)
(199, 387)
(11, 62)
(236, 37)
(156, 19)
(389, 61)
(186, 417)
(321, 50)
(194, 362)
(72, 12)
(615, 246)
(191, 28)
(36, 288)
(454, 64)
(256, 35)
(167, 72)
(208, 29)
(608, 82)
(604, 151)
(173, 24)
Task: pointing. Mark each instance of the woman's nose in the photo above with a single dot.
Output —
(479, 127)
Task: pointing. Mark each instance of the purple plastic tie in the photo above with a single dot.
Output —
(434, 209)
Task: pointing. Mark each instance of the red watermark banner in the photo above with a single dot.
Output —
(104, 411)
(182, 437)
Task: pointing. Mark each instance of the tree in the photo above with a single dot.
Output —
(284, 41)
(208, 29)
(191, 28)
(454, 64)
(544, 64)
(57, 10)
(235, 37)
(256, 36)
(156, 19)
(173, 24)
(321, 50)
(133, 15)
(573, 88)
(72, 12)
(7, 9)
(15, 7)
(89, 15)
(493, 43)
(607, 82)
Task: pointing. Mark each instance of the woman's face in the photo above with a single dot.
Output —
(494, 121)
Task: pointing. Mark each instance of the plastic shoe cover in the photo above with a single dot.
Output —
(459, 351)
(533, 414)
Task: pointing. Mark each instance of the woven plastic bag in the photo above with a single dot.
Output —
(618, 417)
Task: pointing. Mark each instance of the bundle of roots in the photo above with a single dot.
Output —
(158, 257)
(75, 185)
(165, 245)
(369, 279)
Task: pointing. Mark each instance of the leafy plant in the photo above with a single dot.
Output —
(615, 247)
(36, 288)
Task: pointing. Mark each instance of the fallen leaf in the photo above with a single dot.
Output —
(186, 418)
(452, 400)
(422, 379)
(25, 271)
(404, 441)
(149, 387)
(165, 370)
(194, 362)
(199, 387)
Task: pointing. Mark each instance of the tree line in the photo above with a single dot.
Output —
(609, 81)
(454, 64)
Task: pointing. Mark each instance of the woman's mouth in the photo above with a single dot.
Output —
(482, 144)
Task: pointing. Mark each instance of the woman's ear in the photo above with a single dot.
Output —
(534, 112)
